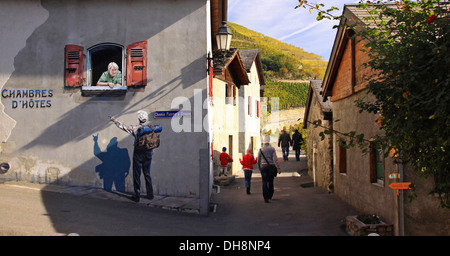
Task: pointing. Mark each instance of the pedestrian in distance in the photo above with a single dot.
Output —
(224, 160)
(297, 141)
(143, 151)
(285, 141)
(247, 162)
(267, 162)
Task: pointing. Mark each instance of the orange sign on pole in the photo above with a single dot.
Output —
(400, 185)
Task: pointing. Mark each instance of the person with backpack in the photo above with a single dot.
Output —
(285, 141)
(247, 162)
(297, 141)
(146, 139)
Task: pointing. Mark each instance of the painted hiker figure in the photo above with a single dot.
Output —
(146, 139)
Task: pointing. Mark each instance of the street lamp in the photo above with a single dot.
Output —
(223, 37)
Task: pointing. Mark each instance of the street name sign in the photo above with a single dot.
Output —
(177, 113)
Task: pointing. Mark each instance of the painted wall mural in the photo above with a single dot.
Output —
(25, 99)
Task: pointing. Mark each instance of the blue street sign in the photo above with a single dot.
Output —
(176, 113)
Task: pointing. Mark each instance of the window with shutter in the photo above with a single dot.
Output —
(137, 64)
(257, 108)
(250, 105)
(98, 58)
(73, 68)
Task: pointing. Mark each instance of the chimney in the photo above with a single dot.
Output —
(219, 13)
(224, 10)
(214, 22)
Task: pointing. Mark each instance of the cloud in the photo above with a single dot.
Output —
(310, 26)
(279, 19)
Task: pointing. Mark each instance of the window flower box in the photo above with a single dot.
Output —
(355, 227)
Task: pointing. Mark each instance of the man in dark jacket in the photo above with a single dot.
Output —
(297, 141)
(285, 141)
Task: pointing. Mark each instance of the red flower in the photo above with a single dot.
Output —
(431, 18)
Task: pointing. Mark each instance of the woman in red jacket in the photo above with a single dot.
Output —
(248, 161)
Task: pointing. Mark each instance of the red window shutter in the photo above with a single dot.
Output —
(73, 68)
(211, 75)
(257, 108)
(137, 64)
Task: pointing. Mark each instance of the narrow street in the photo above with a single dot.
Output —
(297, 209)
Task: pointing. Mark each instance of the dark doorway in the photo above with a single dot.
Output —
(100, 56)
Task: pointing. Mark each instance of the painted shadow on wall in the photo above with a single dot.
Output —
(115, 165)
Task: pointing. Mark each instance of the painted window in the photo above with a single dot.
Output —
(132, 60)
(98, 58)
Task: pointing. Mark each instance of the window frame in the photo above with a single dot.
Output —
(376, 153)
(77, 69)
(250, 109)
(342, 162)
(230, 94)
(89, 72)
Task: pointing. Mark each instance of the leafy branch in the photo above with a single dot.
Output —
(408, 43)
(321, 14)
(351, 139)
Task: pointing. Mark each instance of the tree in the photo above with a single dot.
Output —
(408, 43)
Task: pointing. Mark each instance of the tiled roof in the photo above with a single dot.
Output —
(248, 57)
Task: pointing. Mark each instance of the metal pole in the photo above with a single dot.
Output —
(401, 210)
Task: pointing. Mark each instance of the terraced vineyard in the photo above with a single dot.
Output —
(291, 94)
(287, 68)
(280, 60)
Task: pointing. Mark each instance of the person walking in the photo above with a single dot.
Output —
(142, 156)
(285, 141)
(247, 162)
(267, 159)
(224, 159)
(297, 141)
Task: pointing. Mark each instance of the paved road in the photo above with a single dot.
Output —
(297, 209)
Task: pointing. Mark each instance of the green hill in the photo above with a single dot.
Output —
(283, 65)
(280, 60)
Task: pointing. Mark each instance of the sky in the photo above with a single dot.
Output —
(280, 20)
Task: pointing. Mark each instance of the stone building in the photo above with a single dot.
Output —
(363, 179)
(318, 118)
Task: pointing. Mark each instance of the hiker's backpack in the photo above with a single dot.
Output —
(147, 137)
